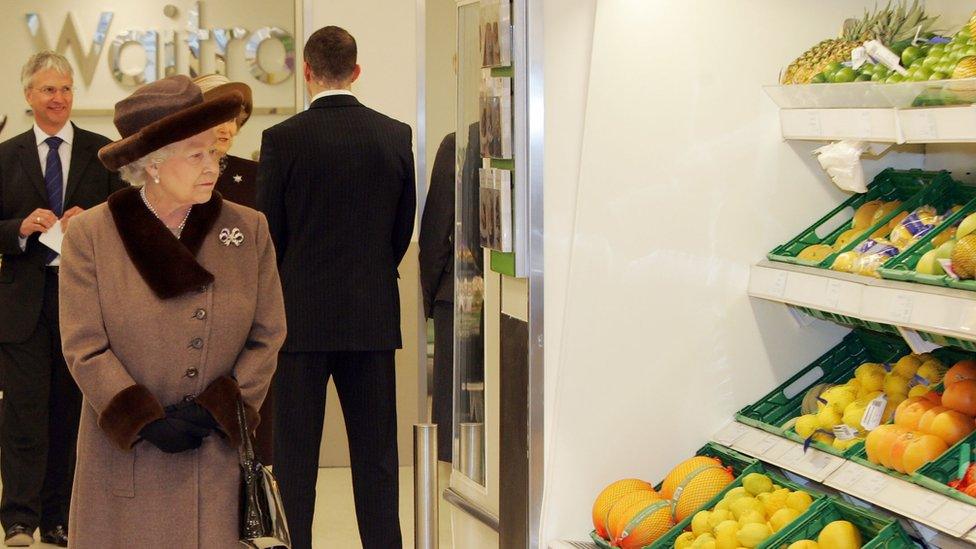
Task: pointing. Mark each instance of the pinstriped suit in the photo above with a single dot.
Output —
(336, 183)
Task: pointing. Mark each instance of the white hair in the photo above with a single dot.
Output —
(134, 173)
(44, 60)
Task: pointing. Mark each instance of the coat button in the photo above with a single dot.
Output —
(192, 372)
(200, 314)
(189, 398)
(197, 343)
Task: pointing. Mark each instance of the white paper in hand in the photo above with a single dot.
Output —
(53, 237)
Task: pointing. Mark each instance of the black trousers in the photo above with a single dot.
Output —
(366, 385)
(442, 408)
(39, 429)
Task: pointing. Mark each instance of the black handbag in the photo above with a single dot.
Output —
(263, 523)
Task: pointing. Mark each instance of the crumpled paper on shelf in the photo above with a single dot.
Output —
(842, 162)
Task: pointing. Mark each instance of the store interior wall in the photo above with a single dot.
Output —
(684, 182)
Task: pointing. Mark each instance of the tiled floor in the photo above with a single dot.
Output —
(335, 517)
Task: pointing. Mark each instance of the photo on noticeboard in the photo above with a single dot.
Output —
(495, 31)
(495, 209)
(495, 103)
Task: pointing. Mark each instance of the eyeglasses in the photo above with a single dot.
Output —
(51, 91)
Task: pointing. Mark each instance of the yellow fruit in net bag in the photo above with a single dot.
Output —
(610, 495)
(638, 519)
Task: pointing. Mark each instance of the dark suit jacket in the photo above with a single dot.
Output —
(336, 183)
(437, 230)
(236, 181)
(22, 191)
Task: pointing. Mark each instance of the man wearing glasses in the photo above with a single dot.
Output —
(48, 174)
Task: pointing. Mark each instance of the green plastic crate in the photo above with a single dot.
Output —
(889, 185)
(902, 266)
(740, 463)
(936, 474)
(772, 411)
(940, 339)
(850, 321)
(877, 532)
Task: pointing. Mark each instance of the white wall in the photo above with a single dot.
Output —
(684, 183)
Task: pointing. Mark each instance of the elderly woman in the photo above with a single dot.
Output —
(171, 311)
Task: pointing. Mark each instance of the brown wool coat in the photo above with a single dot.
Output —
(146, 321)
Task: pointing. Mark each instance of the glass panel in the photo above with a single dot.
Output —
(469, 319)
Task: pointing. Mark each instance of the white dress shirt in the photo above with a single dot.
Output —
(67, 135)
(327, 93)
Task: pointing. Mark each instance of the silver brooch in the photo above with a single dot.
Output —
(231, 236)
(238, 178)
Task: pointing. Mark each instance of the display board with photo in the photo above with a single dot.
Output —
(495, 209)
(496, 33)
(496, 116)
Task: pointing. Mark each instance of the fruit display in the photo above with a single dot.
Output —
(967, 482)
(631, 513)
(845, 413)
(839, 534)
(747, 515)
(890, 25)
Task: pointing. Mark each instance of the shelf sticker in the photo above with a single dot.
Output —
(864, 123)
(848, 475)
(778, 287)
(844, 432)
(873, 483)
(901, 308)
(873, 413)
(832, 293)
(814, 126)
(767, 444)
(928, 127)
(729, 434)
(928, 505)
(955, 516)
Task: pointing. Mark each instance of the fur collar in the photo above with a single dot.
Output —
(168, 265)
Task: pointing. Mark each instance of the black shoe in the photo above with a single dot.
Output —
(56, 536)
(19, 535)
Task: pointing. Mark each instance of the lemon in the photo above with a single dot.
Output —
(917, 391)
(699, 523)
(743, 504)
(840, 534)
(684, 541)
(894, 385)
(722, 505)
(718, 517)
(775, 501)
(854, 383)
(873, 380)
(830, 415)
(802, 544)
(806, 425)
(782, 517)
(932, 371)
(704, 541)
(735, 494)
(840, 396)
(750, 517)
(757, 483)
(752, 534)
(725, 535)
(843, 445)
(907, 366)
(866, 368)
(853, 414)
(799, 500)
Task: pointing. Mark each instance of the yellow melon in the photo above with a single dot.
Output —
(638, 519)
(964, 257)
(697, 489)
(610, 495)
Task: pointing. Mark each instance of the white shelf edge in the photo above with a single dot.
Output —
(952, 124)
(918, 307)
(896, 495)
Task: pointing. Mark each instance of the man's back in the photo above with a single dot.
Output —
(337, 185)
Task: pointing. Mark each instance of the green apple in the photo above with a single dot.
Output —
(929, 264)
(967, 226)
(945, 250)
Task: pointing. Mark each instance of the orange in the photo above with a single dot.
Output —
(925, 424)
(886, 441)
(964, 369)
(934, 397)
(896, 457)
(951, 426)
(610, 495)
(961, 396)
(911, 410)
(638, 519)
(681, 471)
(923, 450)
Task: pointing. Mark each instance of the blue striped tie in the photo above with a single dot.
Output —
(54, 181)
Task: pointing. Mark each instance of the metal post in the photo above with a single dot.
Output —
(472, 450)
(425, 530)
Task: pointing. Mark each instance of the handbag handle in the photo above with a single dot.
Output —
(247, 442)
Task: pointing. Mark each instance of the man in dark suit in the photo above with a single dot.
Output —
(48, 175)
(336, 183)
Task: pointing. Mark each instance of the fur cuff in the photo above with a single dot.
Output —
(220, 399)
(127, 413)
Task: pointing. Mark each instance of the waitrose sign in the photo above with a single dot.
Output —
(162, 48)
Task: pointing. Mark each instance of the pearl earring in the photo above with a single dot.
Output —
(156, 179)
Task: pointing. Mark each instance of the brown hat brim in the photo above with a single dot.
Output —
(170, 129)
(231, 87)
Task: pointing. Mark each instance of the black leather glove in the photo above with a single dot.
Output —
(173, 435)
(192, 412)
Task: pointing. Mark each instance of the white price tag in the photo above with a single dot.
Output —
(873, 483)
(844, 432)
(955, 515)
(778, 288)
(730, 433)
(929, 505)
(928, 127)
(901, 307)
(848, 475)
(832, 293)
(865, 126)
(814, 126)
(873, 413)
(766, 444)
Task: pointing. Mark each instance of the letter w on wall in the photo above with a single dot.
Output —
(70, 38)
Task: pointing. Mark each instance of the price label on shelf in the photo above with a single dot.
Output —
(927, 128)
(832, 293)
(814, 127)
(778, 287)
(901, 307)
(848, 475)
(955, 516)
(728, 435)
(871, 418)
(928, 505)
(872, 483)
(865, 125)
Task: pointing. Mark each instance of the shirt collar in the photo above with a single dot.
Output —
(327, 93)
(67, 134)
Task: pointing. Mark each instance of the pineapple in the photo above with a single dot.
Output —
(888, 25)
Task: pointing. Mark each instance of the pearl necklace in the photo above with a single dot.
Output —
(179, 230)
